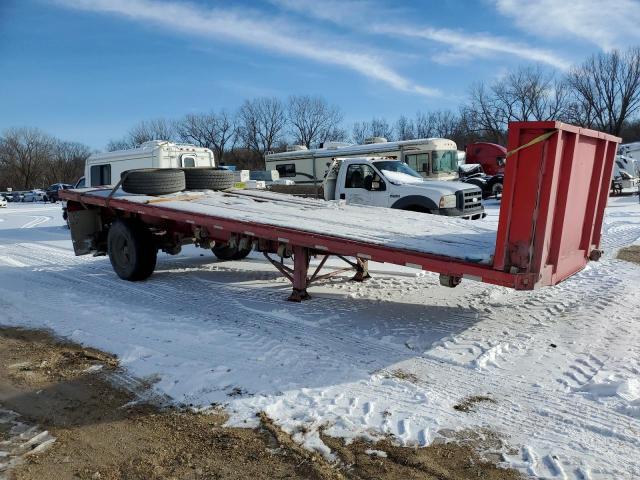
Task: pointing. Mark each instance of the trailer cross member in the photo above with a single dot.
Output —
(299, 274)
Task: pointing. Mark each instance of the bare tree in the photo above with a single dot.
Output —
(424, 127)
(337, 134)
(210, 130)
(445, 123)
(261, 123)
(118, 144)
(312, 119)
(144, 131)
(155, 129)
(360, 131)
(24, 154)
(631, 131)
(526, 94)
(67, 162)
(381, 128)
(606, 90)
(405, 130)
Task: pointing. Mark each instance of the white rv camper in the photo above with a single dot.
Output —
(105, 168)
(435, 158)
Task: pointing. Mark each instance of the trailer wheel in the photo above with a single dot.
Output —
(132, 250)
(153, 181)
(241, 254)
(225, 252)
(208, 178)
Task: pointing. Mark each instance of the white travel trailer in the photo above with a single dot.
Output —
(435, 158)
(105, 168)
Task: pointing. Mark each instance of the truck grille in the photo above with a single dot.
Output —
(471, 199)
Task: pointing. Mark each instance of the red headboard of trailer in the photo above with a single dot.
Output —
(555, 193)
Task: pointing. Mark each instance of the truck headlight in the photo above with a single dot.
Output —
(448, 201)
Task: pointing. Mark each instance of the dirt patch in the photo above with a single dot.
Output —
(630, 254)
(468, 404)
(404, 375)
(103, 431)
(384, 460)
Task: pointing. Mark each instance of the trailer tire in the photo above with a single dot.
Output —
(241, 254)
(153, 181)
(225, 252)
(132, 250)
(208, 178)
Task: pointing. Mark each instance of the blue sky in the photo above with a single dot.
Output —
(87, 70)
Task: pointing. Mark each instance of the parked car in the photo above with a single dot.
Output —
(53, 190)
(35, 196)
(79, 184)
(16, 196)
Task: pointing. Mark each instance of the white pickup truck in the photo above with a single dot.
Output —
(392, 183)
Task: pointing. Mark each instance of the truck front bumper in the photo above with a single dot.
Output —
(475, 214)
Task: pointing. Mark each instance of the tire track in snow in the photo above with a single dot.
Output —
(266, 330)
(37, 220)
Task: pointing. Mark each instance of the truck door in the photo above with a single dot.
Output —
(354, 186)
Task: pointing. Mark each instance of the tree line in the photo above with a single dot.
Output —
(29, 158)
(601, 93)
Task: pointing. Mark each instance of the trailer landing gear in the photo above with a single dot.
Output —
(299, 274)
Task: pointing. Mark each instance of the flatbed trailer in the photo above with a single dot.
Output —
(555, 192)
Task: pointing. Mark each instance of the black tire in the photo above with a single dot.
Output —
(132, 250)
(153, 181)
(241, 254)
(496, 189)
(208, 178)
(225, 252)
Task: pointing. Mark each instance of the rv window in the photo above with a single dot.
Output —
(419, 163)
(188, 161)
(287, 170)
(100, 175)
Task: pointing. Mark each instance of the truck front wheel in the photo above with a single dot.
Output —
(132, 250)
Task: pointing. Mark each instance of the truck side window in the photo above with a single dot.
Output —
(287, 170)
(100, 175)
(356, 174)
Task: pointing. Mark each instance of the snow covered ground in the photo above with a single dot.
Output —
(390, 356)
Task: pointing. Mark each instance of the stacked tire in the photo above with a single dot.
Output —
(208, 178)
(153, 181)
(164, 181)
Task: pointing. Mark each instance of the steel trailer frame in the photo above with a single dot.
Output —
(556, 187)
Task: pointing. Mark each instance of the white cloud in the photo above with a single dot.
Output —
(249, 28)
(611, 24)
(375, 18)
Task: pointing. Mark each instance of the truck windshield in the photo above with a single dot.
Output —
(396, 166)
(444, 160)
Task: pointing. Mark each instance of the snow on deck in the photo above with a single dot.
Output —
(469, 240)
